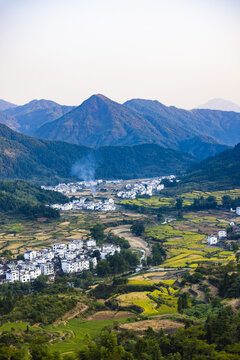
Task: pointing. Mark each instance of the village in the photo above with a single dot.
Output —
(75, 187)
(86, 204)
(130, 190)
(74, 257)
(143, 187)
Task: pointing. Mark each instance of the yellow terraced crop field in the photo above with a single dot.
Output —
(148, 305)
(189, 248)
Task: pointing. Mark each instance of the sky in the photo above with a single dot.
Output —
(180, 52)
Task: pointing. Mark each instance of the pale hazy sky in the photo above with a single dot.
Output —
(180, 52)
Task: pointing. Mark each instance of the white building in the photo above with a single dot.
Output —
(222, 234)
(77, 265)
(109, 249)
(30, 255)
(57, 246)
(68, 266)
(82, 265)
(24, 276)
(46, 253)
(59, 249)
(75, 245)
(238, 211)
(91, 243)
(70, 255)
(12, 275)
(94, 262)
(34, 273)
(47, 268)
(212, 240)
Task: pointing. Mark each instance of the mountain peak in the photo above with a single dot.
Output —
(4, 105)
(101, 96)
(220, 104)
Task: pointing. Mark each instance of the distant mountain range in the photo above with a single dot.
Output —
(220, 104)
(4, 105)
(29, 117)
(223, 127)
(99, 121)
(48, 162)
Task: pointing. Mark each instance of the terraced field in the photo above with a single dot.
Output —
(186, 240)
(157, 302)
(67, 337)
(159, 201)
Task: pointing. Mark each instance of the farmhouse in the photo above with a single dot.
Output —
(212, 240)
(222, 234)
(30, 255)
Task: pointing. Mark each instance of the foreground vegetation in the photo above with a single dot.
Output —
(171, 309)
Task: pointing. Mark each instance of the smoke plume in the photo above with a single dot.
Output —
(85, 169)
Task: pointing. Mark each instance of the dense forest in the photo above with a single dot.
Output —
(19, 198)
(220, 170)
(42, 161)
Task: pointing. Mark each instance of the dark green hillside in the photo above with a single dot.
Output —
(48, 162)
(18, 197)
(220, 170)
(36, 160)
(201, 147)
(147, 160)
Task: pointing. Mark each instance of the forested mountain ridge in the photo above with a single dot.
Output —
(20, 198)
(43, 161)
(6, 105)
(222, 126)
(27, 118)
(222, 169)
(99, 121)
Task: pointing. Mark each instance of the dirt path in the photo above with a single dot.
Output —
(168, 326)
(79, 308)
(136, 242)
(110, 315)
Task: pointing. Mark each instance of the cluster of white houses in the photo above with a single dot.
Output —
(143, 187)
(83, 204)
(74, 187)
(76, 256)
(213, 239)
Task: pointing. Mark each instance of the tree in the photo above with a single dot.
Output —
(179, 203)
(138, 228)
(103, 268)
(97, 232)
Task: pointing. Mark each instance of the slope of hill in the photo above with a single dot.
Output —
(27, 118)
(222, 126)
(21, 198)
(201, 147)
(220, 170)
(42, 161)
(99, 121)
(140, 161)
(220, 104)
(4, 105)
